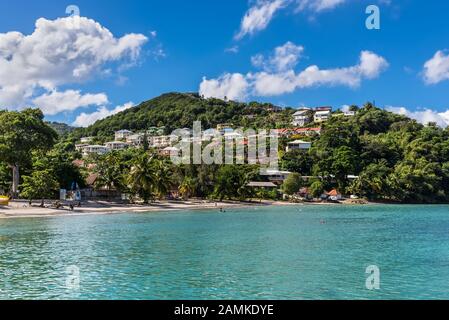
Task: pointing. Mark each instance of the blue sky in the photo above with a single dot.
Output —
(162, 46)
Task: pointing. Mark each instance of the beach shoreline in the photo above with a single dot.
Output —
(20, 209)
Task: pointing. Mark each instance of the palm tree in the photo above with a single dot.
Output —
(162, 178)
(109, 172)
(187, 187)
(142, 178)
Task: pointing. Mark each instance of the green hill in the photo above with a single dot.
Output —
(180, 110)
(61, 128)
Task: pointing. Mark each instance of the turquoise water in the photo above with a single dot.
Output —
(300, 252)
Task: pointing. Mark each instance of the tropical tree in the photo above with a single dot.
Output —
(317, 188)
(20, 134)
(109, 171)
(372, 182)
(231, 182)
(141, 178)
(292, 184)
(162, 177)
(187, 187)
(40, 185)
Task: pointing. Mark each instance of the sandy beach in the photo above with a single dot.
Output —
(21, 209)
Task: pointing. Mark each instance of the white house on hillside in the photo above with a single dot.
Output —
(95, 149)
(298, 145)
(302, 117)
(322, 116)
(136, 139)
(117, 145)
(122, 134)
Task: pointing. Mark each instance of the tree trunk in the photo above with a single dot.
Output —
(15, 181)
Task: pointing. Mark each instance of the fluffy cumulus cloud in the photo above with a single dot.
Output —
(437, 68)
(86, 119)
(279, 76)
(59, 52)
(230, 86)
(424, 116)
(55, 102)
(284, 58)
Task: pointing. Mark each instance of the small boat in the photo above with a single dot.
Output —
(4, 201)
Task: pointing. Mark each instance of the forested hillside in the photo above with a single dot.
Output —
(180, 110)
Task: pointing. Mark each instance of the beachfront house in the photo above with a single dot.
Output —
(298, 145)
(121, 135)
(117, 145)
(302, 117)
(276, 176)
(262, 185)
(95, 149)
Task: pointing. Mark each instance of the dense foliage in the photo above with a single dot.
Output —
(176, 110)
(396, 158)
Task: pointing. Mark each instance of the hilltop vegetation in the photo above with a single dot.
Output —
(180, 110)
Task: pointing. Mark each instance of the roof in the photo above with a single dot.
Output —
(96, 146)
(333, 193)
(124, 131)
(90, 180)
(262, 184)
(301, 112)
(296, 130)
(78, 163)
(322, 112)
(300, 142)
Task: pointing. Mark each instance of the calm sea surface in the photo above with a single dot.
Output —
(299, 252)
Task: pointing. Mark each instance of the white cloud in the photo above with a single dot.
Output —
(423, 116)
(233, 49)
(279, 77)
(232, 86)
(259, 16)
(437, 68)
(55, 102)
(86, 119)
(318, 5)
(58, 52)
(284, 58)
